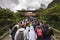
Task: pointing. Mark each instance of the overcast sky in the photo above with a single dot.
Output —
(24, 4)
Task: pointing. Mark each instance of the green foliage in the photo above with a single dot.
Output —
(54, 3)
(6, 17)
(52, 15)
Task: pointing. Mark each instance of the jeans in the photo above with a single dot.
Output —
(48, 38)
(13, 36)
(40, 38)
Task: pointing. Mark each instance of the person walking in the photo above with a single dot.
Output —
(49, 33)
(21, 33)
(39, 33)
(32, 34)
(14, 29)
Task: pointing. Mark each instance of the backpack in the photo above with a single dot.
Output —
(39, 32)
(20, 35)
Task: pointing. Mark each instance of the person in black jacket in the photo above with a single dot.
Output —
(13, 32)
(48, 34)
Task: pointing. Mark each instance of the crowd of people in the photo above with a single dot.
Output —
(31, 29)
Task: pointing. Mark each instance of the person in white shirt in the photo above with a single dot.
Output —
(32, 34)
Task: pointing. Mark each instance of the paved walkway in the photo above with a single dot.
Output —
(7, 38)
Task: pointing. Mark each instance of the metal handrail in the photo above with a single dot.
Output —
(56, 30)
(54, 38)
(4, 35)
(3, 28)
(5, 32)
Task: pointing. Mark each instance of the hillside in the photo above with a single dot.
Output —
(55, 2)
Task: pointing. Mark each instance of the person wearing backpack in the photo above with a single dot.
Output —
(32, 34)
(14, 29)
(21, 33)
(39, 33)
(44, 27)
(49, 33)
(13, 32)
